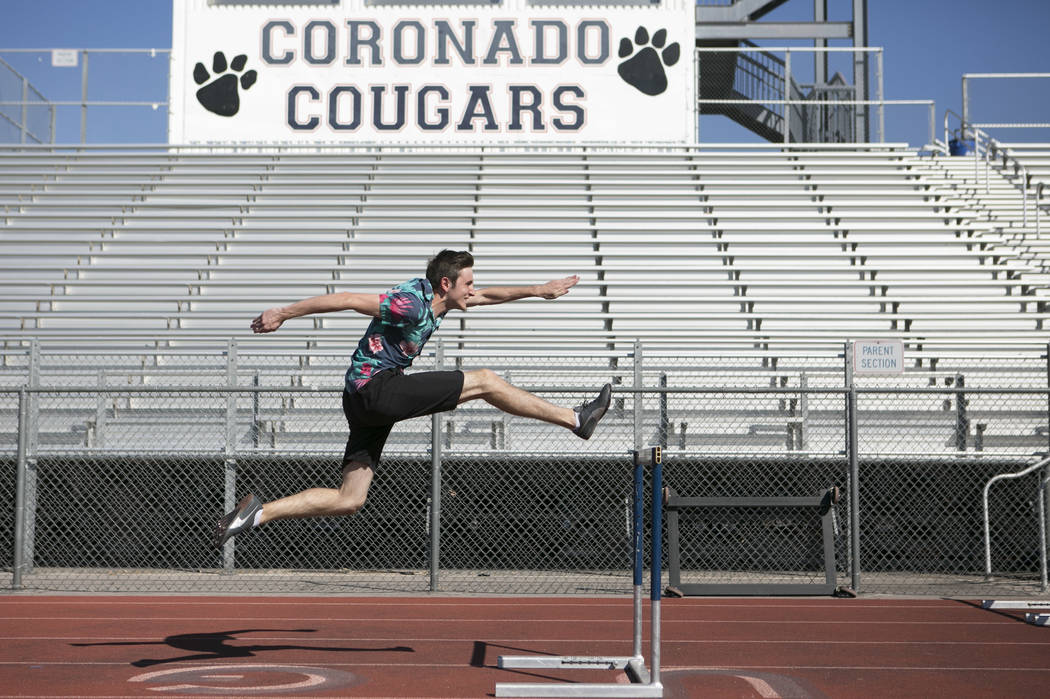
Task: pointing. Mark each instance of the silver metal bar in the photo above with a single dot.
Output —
(579, 662)
(638, 398)
(83, 103)
(984, 504)
(83, 96)
(826, 102)
(965, 101)
(854, 467)
(882, 105)
(787, 96)
(775, 49)
(549, 689)
(1014, 126)
(25, 110)
(775, 30)
(1041, 497)
(435, 481)
(229, 549)
(1006, 75)
(861, 390)
(1045, 524)
(49, 50)
(20, 489)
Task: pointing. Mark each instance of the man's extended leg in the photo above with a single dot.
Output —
(348, 499)
(490, 387)
(324, 502)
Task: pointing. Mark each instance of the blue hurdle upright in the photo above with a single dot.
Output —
(643, 682)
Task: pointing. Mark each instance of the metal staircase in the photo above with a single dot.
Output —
(761, 78)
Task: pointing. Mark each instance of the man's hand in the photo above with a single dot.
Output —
(558, 287)
(268, 321)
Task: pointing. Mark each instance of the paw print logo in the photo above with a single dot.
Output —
(645, 69)
(221, 96)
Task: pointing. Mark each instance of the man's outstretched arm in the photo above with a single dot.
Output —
(270, 320)
(503, 294)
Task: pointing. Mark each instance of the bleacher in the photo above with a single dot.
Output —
(760, 253)
(760, 246)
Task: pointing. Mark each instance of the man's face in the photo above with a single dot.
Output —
(461, 290)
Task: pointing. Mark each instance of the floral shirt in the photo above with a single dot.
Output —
(406, 321)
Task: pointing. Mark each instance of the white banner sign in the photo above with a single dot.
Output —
(878, 357)
(510, 72)
(64, 58)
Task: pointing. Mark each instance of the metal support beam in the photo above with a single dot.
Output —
(860, 68)
(774, 30)
(820, 58)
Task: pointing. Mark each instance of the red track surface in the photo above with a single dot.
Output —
(448, 646)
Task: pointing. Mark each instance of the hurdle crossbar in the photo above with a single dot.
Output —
(642, 682)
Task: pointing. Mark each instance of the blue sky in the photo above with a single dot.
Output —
(928, 45)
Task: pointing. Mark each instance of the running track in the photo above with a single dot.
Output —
(448, 646)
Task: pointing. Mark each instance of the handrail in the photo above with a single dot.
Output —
(1042, 522)
(992, 147)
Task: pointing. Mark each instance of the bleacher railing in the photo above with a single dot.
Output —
(29, 119)
(116, 487)
(988, 149)
(790, 103)
(968, 112)
(122, 75)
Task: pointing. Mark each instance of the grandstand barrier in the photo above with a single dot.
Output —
(520, 506)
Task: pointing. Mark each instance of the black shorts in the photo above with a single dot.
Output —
(389, 397)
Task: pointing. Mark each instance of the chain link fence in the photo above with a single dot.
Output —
(117, 466)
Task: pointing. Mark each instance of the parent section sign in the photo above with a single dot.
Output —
(508, 72)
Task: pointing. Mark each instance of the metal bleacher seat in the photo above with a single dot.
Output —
(721, 246)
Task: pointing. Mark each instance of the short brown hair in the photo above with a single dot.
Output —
(447, 263)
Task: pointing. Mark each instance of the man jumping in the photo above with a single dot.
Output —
(378, 393)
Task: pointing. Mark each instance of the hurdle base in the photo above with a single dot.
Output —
(1037, 619)
(640, 684)
(1036, 604)
(548, 689)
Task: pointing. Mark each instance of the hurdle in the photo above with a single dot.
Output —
(1039, 617)
(642, 682)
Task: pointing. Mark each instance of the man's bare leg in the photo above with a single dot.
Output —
(490, 387)
(324, 502)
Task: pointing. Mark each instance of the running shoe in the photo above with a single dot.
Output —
(591, 413)
(237, 521)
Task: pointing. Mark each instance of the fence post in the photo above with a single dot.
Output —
(696, 95)
(882, 104)
(20, 489)
(25, 109)
(100, 412)
(83, 96)
(787, 96)
(854, 469)
(435, 481)
(803, 409)
(962, 420)
(1045, 483)
(664, 423)
(965, 105)
(229, 462)
(32, 433)
(639, 401)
